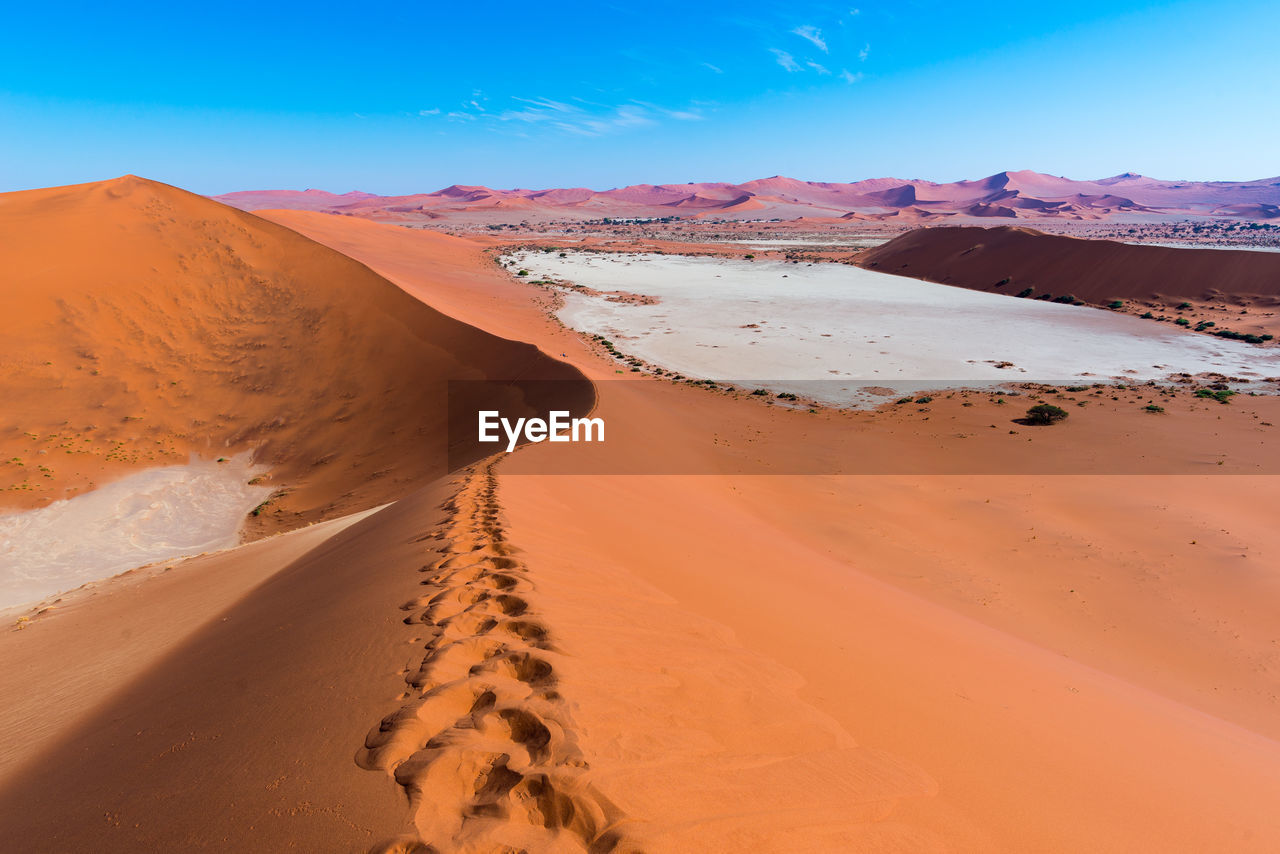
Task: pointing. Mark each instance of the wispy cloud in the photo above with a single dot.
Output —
(864, 53)
(811, 34)
(849, 77)
(821, 69)
(713, 68)
(785, 59)
(434, 111)
(576, 116)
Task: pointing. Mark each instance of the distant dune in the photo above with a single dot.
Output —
(1009, 260)
(1014, 195)
(140, 323)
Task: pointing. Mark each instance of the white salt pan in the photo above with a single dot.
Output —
(773, 322)
(154, 515)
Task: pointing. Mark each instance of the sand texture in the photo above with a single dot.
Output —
(955, 658)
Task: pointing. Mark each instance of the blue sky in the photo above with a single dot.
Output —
(405, 97)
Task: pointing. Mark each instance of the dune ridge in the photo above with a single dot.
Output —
(746, 663)
(484, 743)
(1011, 194)
(1020, 261)
(141, 324)
(1117, 698)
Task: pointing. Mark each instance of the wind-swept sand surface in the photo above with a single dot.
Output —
(694, 662)
(140, 324)
(1237, 289)
(894, 663)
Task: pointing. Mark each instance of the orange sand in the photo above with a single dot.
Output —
(709, 662)
(1034, 663)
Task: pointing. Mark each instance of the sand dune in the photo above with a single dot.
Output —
(240, 733)
(1011, 260)
(1022, 195)
(909, 686)
(140, 324)
(696, 663)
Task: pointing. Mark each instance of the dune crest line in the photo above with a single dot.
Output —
(483, 743)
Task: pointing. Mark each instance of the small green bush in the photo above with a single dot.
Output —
(1045, 413)
(1219, 394)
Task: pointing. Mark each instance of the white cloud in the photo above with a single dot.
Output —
(811, 34)
(576, 116)
(864, 53)
(713, 68)
(785, 59)
(847, 77)
(435, 111)
(816, 67)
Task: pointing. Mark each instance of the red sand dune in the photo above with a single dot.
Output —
(140, 323)
(1008, 260)
(867, 663)
(721, 663)
(1022, 195)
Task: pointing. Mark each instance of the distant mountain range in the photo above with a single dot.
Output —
(1024, 195)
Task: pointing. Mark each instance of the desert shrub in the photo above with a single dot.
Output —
(1045, 413)
(1219, 394)
(925, 399)
(904, 400)
(1146, 315)
(1247, 337)
(1115, 303)
(1151, 407)
(523, 273)
(786, 395)
(1183, 306)
(1025, 292)
(1182, 321)
(760, 392)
